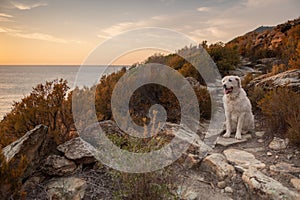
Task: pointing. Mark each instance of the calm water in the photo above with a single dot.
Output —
(18, 81)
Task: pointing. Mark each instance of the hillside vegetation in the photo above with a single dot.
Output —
(281, 41)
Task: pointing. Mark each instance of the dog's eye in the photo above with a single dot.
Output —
(229, 80)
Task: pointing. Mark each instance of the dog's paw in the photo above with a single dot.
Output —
(226, 135)
(238, 136)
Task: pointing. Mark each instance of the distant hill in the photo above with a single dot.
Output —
(280, 41)
(263, 28)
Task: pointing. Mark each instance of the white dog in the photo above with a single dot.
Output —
(238, 111)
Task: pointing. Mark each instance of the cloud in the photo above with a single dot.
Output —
(5, 15)
(259, 3)
(22, 6)
(8, 30)
(203, 9)
(39, 36)
(213, 33)
(121, 27)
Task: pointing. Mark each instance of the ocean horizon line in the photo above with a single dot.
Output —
(2, 65)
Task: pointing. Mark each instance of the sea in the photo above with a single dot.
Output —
(17, 81)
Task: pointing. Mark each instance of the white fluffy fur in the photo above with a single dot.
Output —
(238, 110)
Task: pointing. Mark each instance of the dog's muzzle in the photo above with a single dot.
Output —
(227, 90)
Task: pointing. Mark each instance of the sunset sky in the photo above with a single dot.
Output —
(66, 31)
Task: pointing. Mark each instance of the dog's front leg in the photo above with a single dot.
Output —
(239, 128)
(228, 124)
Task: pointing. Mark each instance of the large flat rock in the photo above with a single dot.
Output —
(231, 141)
(242, 159)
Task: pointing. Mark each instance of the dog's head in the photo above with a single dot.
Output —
(231, 84)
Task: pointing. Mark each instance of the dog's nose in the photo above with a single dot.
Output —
(224, 86)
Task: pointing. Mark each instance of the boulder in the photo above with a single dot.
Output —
(242, 160)
(58, 166)
(66, 188)
(266, 187)
(218, 165)
(289, 79)
(78, 150)
(30, 146)
(278, 144)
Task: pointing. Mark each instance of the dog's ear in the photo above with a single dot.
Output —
(238, 81)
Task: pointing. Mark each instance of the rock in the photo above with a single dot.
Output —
(296, 183)
(266, 187)
(218, 165)
(231, 141)
(242, 159)
(66, 188)
(288, 78)
(278, 144)
(289, 156)
(260, 134)
(221, 184)
(228, 190)
(255, 149)
(58, 166)
(78, 150)
(260, 140)
(269, 153)
(30, 146)
(284, 167)
(191, 161)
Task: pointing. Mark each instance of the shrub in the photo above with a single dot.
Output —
(47, 104)
(256, 94)
(293, 132)
(280, 108)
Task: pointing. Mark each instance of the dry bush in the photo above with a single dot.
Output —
(276, 69)
(249, 77)
(293, 132)
(256, 94)
(280, 108)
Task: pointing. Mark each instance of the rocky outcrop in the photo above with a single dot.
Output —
(266, 187)
(66, 188)
(290, 79)
(30, 146)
